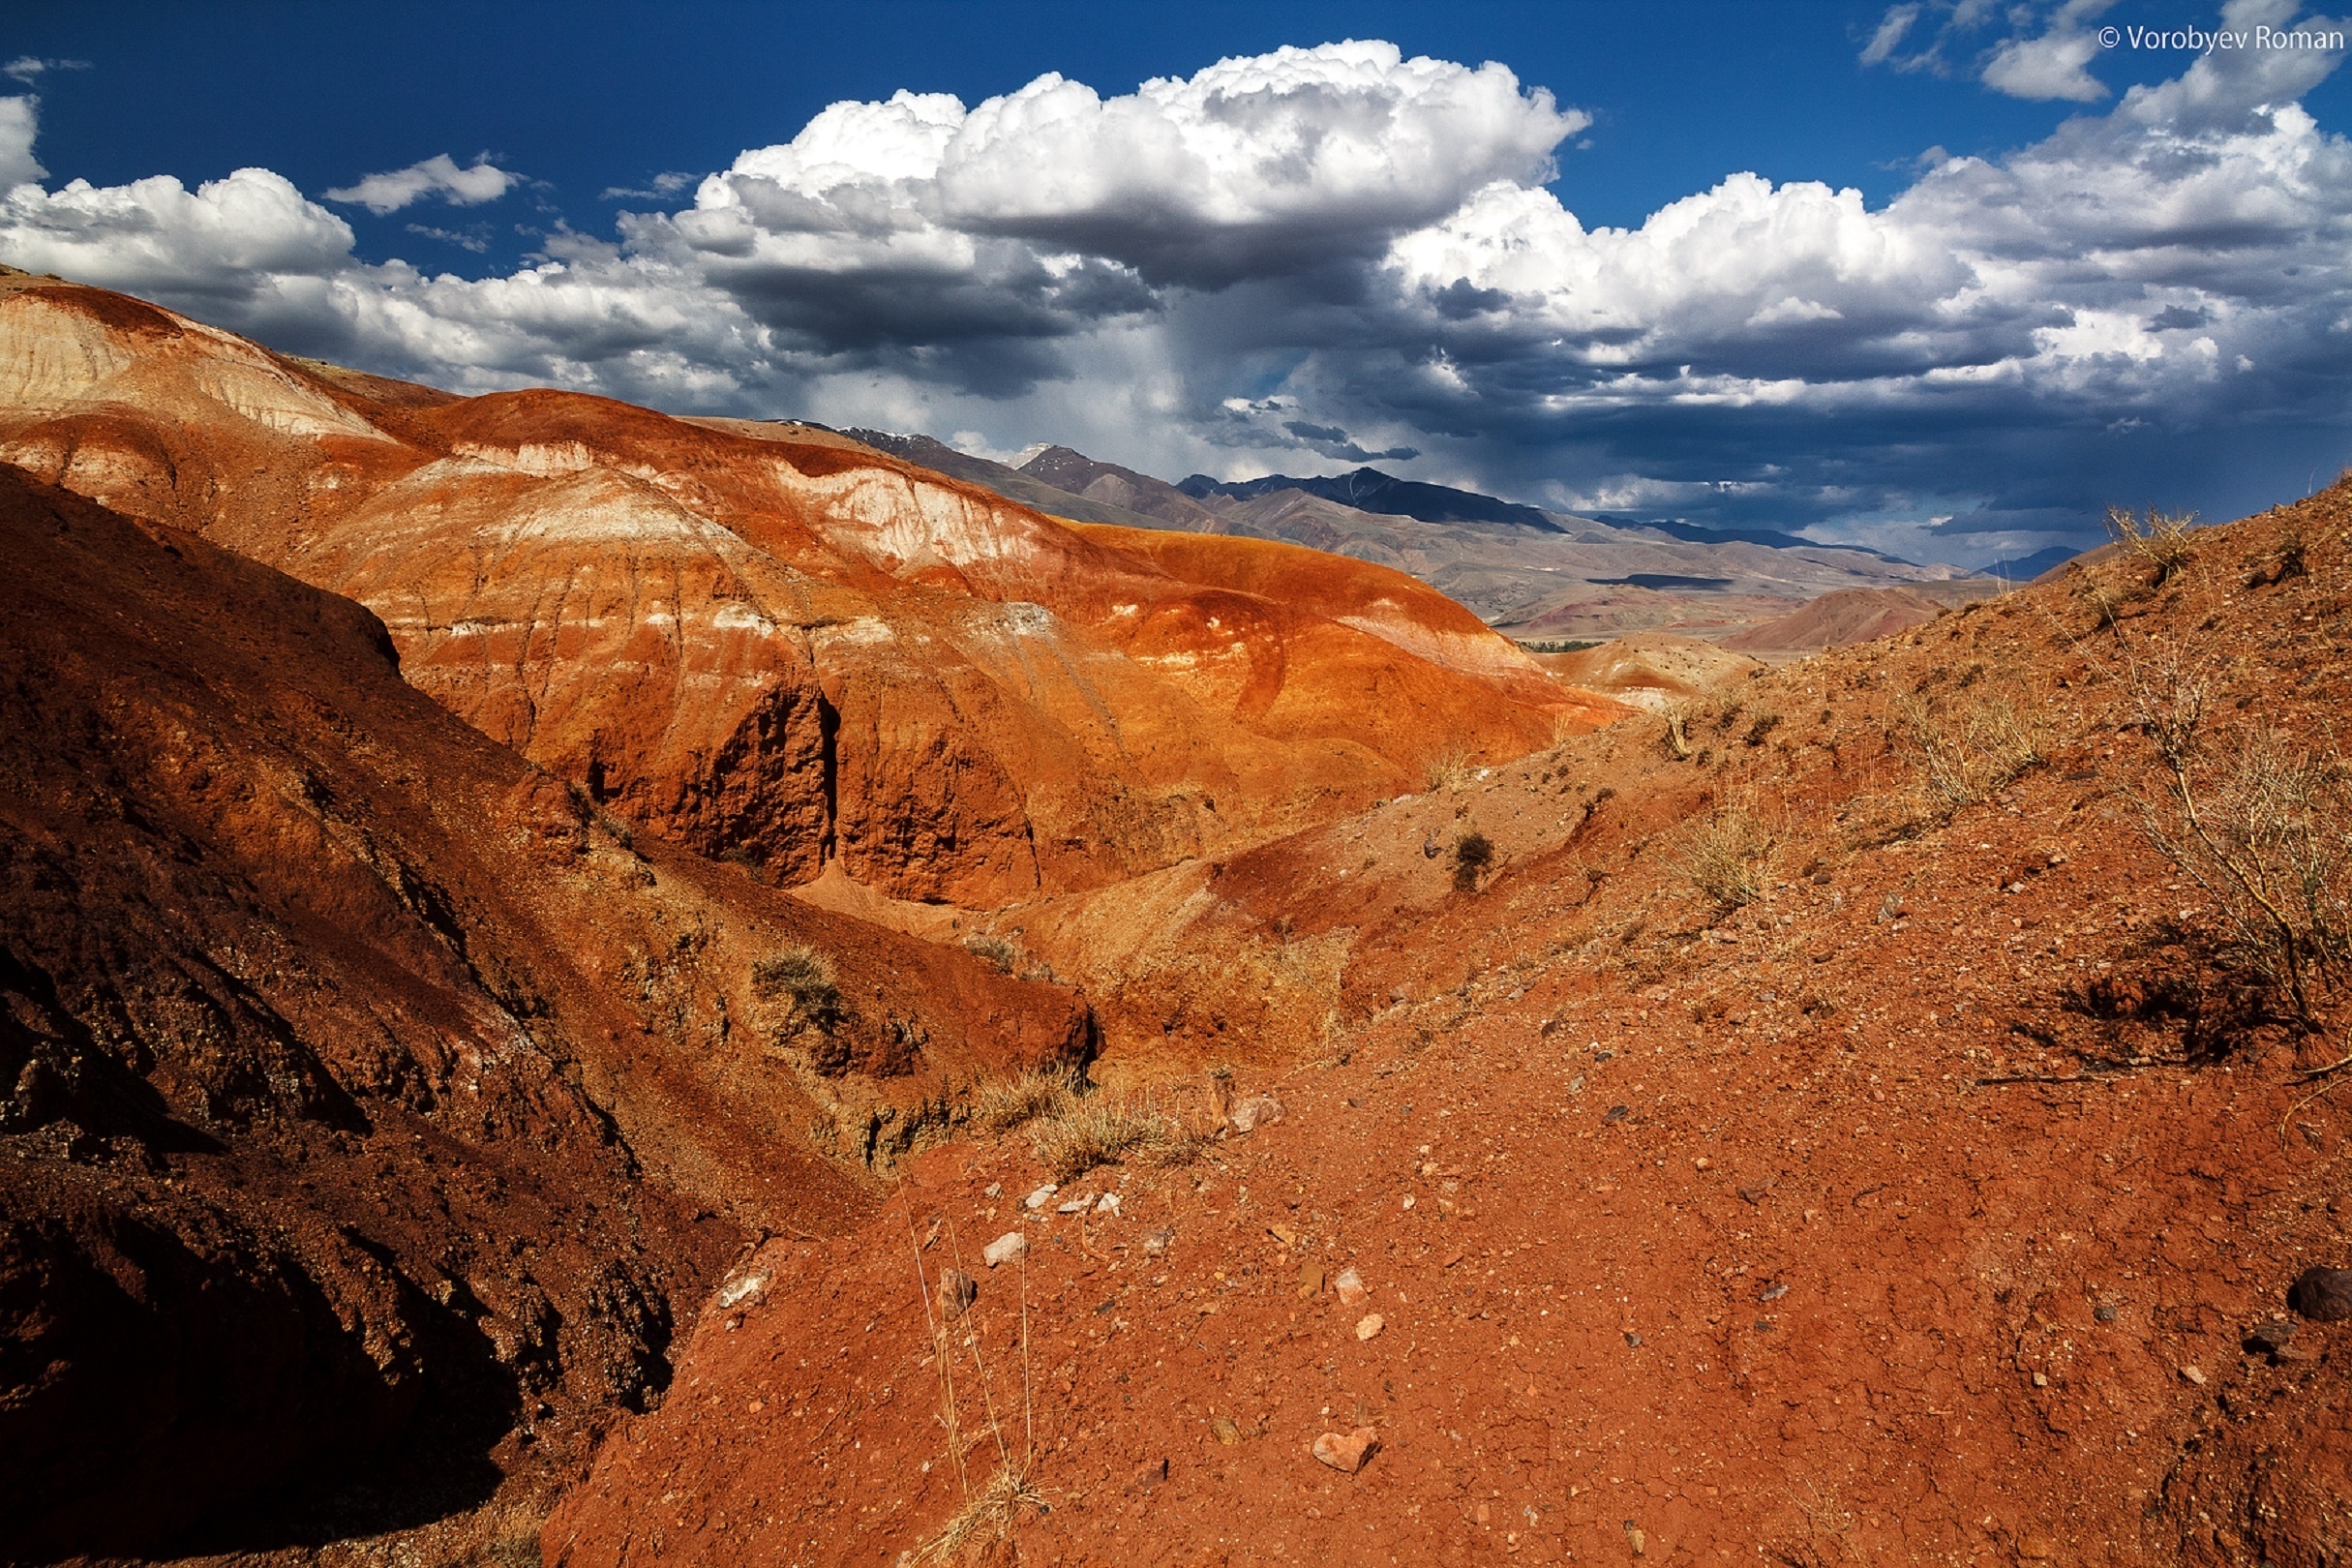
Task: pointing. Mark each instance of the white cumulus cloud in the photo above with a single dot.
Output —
(1315, 256)
(436, 176)
(18, 124)
(2050, 66)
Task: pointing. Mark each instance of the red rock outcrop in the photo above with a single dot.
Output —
(365, 1094)
(791, 650)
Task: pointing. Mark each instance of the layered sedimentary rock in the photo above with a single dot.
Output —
(774, 644)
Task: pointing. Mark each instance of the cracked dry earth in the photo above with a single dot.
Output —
(1916, 1211)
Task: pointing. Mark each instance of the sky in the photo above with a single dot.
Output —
(1945, 277)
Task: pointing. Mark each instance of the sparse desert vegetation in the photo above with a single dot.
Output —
(801, 980)
(1726, 852)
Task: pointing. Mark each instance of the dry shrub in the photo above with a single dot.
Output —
(1677, 736)
(2156, 540)
(2265, 829)
(1969, 749)
(1002, 1106)
(1103, 1130)
(800, 977)
(1473, 852)
(1726, 854)
(994, 952)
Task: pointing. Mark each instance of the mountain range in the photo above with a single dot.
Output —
(1533, 574)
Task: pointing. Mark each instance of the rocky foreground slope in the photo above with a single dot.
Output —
(372, 1107)
(1821, 1121)
(773, 643)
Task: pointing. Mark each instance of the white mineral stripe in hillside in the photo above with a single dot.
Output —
(1472, 652)
(54, 358)
(904, 517)
(545, 458)
(600, 508)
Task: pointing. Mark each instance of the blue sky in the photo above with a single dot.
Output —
(2036, 307)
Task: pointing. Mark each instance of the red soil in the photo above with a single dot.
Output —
(1913, 1212)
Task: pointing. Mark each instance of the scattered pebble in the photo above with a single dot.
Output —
(1283, 1234)
(1773, 1292)
(2269, 1337)
(1310, 1282)
(1347, 1452)
(956, 1292)
(1226, 1430)
(1037, 1199)
(1616, 1113)
(1254, 1111)
(1155, 1244)
(1077, 1205)
(1107, 1203)
(1005, 1249)
(2322, 1294)
(2192, 1374)
(1351, 1287)
(1632, 1339)
(1369, 1326)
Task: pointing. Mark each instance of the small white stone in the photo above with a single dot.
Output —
(1005, 1249)
(1037, 1199)
(1107, 1203)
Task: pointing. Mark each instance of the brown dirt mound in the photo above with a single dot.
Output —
(1851, 616)
(1651, 668)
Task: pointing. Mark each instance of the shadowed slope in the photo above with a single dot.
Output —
(364, 1095)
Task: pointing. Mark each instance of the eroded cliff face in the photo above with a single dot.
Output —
(774, 644)
(367, 1094)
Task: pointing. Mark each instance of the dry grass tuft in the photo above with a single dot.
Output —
(1971, 749)
(1451, 772)
(1726, 854)
(992, 1509)
(1002, 1106)
(1101, 1129)
(994, 952)
(958, 1358)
